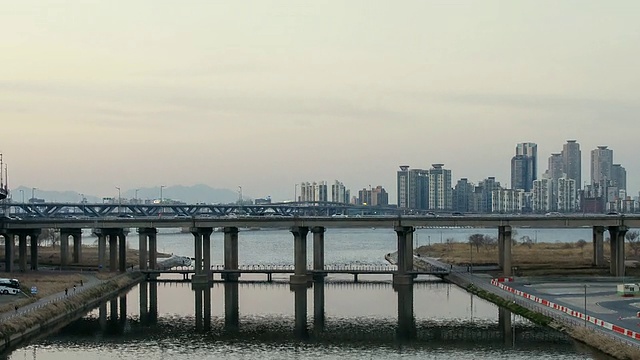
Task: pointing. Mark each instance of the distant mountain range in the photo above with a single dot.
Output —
(199, 193)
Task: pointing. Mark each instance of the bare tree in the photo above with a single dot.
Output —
(49, 235)
(527, 241)
(633, 237)
(490, 242)
(581, 244)
(477, 240)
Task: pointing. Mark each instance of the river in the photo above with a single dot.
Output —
(362, 320)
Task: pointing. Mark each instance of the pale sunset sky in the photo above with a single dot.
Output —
(266, 94)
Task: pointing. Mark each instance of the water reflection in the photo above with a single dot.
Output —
(168, 321)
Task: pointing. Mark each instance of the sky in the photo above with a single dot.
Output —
(265, 94)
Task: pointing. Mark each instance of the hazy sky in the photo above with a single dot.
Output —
(264, 94)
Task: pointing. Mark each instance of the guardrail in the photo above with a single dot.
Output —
(43, 302)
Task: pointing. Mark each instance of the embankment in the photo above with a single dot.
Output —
(55, 315)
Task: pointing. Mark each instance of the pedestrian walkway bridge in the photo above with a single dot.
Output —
(269, 270)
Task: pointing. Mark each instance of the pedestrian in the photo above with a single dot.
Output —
(66, 291)
(74, 287)
(16, 308)
(81, 283)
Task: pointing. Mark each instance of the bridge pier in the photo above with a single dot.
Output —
(203, 306)
(230, 253)
(505, 325)
(406, 321)
(33, 237)
(318, 307)
(598, 246)
(22, 251)
(147, 245)
(318, 252)
(76, 234)
(144, 302)
(617, 235)
(9, 250)
(405, 255)
(300, 255)
(102, 247)
(113, 251)
(202, 238)
(122, 253)
(231, 307)
(504, 244)
(300, 310)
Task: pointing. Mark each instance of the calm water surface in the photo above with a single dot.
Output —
(253, 319)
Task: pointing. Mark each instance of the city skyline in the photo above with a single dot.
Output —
(267, 96)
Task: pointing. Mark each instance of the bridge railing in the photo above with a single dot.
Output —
(332, 267)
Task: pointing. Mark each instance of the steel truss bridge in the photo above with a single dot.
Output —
(61, 210)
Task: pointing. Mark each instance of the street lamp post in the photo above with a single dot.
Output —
(585, 305)
(471, 261)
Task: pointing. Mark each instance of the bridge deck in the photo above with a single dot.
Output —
(290, 271)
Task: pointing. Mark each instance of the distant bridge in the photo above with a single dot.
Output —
(48, 210)
(269, 270)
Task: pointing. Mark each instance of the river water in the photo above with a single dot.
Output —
(255, 319)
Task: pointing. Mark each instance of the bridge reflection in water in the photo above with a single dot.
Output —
(112, 321)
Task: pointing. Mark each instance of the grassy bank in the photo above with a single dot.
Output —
(20, 324)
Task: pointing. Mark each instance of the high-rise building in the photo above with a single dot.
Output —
(556, 166)
(507, 201)
(524, 166)
(487, 187)
(462, 195)
(566, 194)
(601, 164)
(339, 193)
(377, 196)
(313, 192)
(412, 188)
(440, 192)
(542, 195)
(619, 177)
(572, 161)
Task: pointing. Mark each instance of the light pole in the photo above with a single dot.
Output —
(585, 305)
(471, 253)
(33, 194)
(119, 199)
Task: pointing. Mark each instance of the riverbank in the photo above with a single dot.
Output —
(59, 309)
(588, 336)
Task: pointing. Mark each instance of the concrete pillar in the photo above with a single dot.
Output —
(64, 247)
(144, 302)
(77, 246)
(153, 249)
(9, 251)
(617, 235)
(500, 250)
(142, 249)
(102, 316)
(153, 302)
(406, 321)
(405, 255)
(300, 255)
(102, 248)
(113, 309)
(198, 250)
(318, 252)
(504, 232)
(123, 309)
(231, 307)
(318, 307)
(22, 250)
(122, 256)
(506, 328)
(230, 253)
(598, 246)
(206, 258)
(113, 252)
(300, 304)
(33, 235)
(198, 302)
(207, 308)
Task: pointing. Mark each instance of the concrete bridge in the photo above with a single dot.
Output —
(113, 229)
